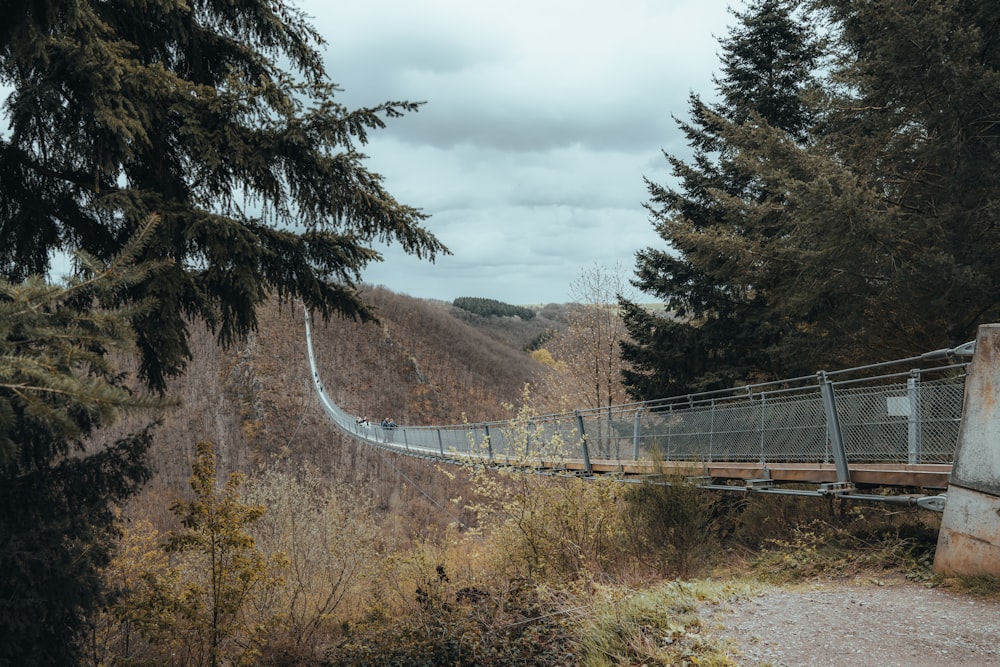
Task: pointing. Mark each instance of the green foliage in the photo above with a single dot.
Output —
(720, 325)
(56, 381)
(915, 128)
(539, 341)
(200, 609)
(219, 118)
(492, 307)
(57, 530)
(230, 571)
(834, 220)
(59, 489)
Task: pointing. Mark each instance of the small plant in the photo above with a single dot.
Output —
(657, 626)
(982, 585)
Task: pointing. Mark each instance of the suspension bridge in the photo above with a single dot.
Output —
(917, 431)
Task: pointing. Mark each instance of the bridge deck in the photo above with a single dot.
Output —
(927, 476)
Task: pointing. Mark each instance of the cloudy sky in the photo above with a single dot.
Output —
(541, 119)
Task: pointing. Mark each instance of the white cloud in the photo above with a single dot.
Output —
(542, 119)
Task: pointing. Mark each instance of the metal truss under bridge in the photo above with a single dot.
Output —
(846, 433)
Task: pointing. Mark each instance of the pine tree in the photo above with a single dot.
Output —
(58, 489)
(220, 119)
(868, 233)
(214, 619)
(719, 325)
(915, 118)
(886, 242)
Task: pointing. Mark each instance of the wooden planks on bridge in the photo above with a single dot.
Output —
(930, 476)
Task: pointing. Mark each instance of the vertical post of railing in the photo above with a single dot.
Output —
(711, 431)
(406, 442)
(612, 436)
(587, 469)
(913, 440)
(670, 431)
(527, 438)
(833, 428)
(636, 425)
(763, 422)
(440, 443)
(489, 442)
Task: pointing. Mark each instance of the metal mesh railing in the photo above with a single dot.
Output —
(910, 417)
(909, 422)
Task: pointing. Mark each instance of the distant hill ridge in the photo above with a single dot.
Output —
(487, 307)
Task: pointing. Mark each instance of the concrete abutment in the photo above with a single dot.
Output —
(969, 541)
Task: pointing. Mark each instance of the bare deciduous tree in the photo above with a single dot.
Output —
(590, 345)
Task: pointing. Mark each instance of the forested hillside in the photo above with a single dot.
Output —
(418, 365)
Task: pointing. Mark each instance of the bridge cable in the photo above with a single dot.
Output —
(302, 417)
(417, 487)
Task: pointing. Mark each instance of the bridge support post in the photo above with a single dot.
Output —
(834, 432)
(587, 468)
(489, 442)
(636, 426)
(913, 435)
(527, 439)
(969, 540)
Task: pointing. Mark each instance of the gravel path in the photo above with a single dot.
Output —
(882, 624)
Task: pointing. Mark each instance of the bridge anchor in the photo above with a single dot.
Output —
(935, 503)
(969, 541)
(834, 488)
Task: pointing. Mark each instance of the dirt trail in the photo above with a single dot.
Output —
(881, 624)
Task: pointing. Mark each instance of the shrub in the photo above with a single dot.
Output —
(544, 527)
(867, 540)
(513, 623)
(198, 608)
(331, 539)
(674, 523)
